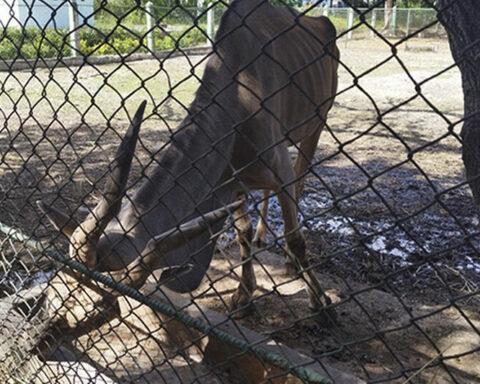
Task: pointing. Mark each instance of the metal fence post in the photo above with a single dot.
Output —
(210, 25)
(73, 28)
(394, 20)
(199, 7)
(409, 15)
(349, 23)
(373, 22)
(325, 10)
(149, 17)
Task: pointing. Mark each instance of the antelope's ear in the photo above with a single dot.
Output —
(60, 221)
(176, 237)
(172, 272)
(139, 269)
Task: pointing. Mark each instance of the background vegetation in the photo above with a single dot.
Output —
(120, 28)
(32, 42)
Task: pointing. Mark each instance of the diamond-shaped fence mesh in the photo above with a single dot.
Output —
(223, 241)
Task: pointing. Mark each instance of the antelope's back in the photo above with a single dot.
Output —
(284, 62)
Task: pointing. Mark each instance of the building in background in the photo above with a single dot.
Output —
(43, 13)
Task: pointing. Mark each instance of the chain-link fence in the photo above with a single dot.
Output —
(126, 254)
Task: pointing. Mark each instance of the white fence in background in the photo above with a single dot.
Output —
(43, 13)
(76, 14)
(421, 22)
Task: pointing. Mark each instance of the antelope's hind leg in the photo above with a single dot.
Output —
(260, 239)
(240, 301)
(306, 151)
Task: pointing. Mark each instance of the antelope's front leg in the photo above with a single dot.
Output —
(296, 246)
(240, 301)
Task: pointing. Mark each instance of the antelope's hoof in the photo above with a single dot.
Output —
(240, 304)
(325, 315)
(290, 269)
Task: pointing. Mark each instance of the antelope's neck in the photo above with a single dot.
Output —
(188, 170)
(183, 183)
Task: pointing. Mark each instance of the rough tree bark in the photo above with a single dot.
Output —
(461, 19)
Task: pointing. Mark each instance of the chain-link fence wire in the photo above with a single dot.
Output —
(390, 225)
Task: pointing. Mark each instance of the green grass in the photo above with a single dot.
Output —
(96, 94)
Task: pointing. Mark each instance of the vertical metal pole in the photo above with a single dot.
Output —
(409, 15)
(73, 27)
(149, 17)
(210, 25)
(325, 10)
(394, 20)
(349, 23)
(199, 7)
(437, 27)
(374, 21)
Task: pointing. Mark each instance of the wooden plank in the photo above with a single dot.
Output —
(246, 367)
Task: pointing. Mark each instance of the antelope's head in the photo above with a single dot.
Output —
(84, 237)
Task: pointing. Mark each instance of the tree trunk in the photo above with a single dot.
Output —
(388, 16)
(461, 20)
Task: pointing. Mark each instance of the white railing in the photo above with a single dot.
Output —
(403, 21)
(75, 16)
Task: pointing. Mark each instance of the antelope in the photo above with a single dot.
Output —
(268, 84)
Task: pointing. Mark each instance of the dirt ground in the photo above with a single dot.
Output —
(386, 208)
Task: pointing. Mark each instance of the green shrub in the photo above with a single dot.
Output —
(91, 37)
(108, 42)
(32, 43)
(8, 49)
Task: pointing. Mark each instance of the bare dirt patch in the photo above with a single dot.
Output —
(383, 332)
